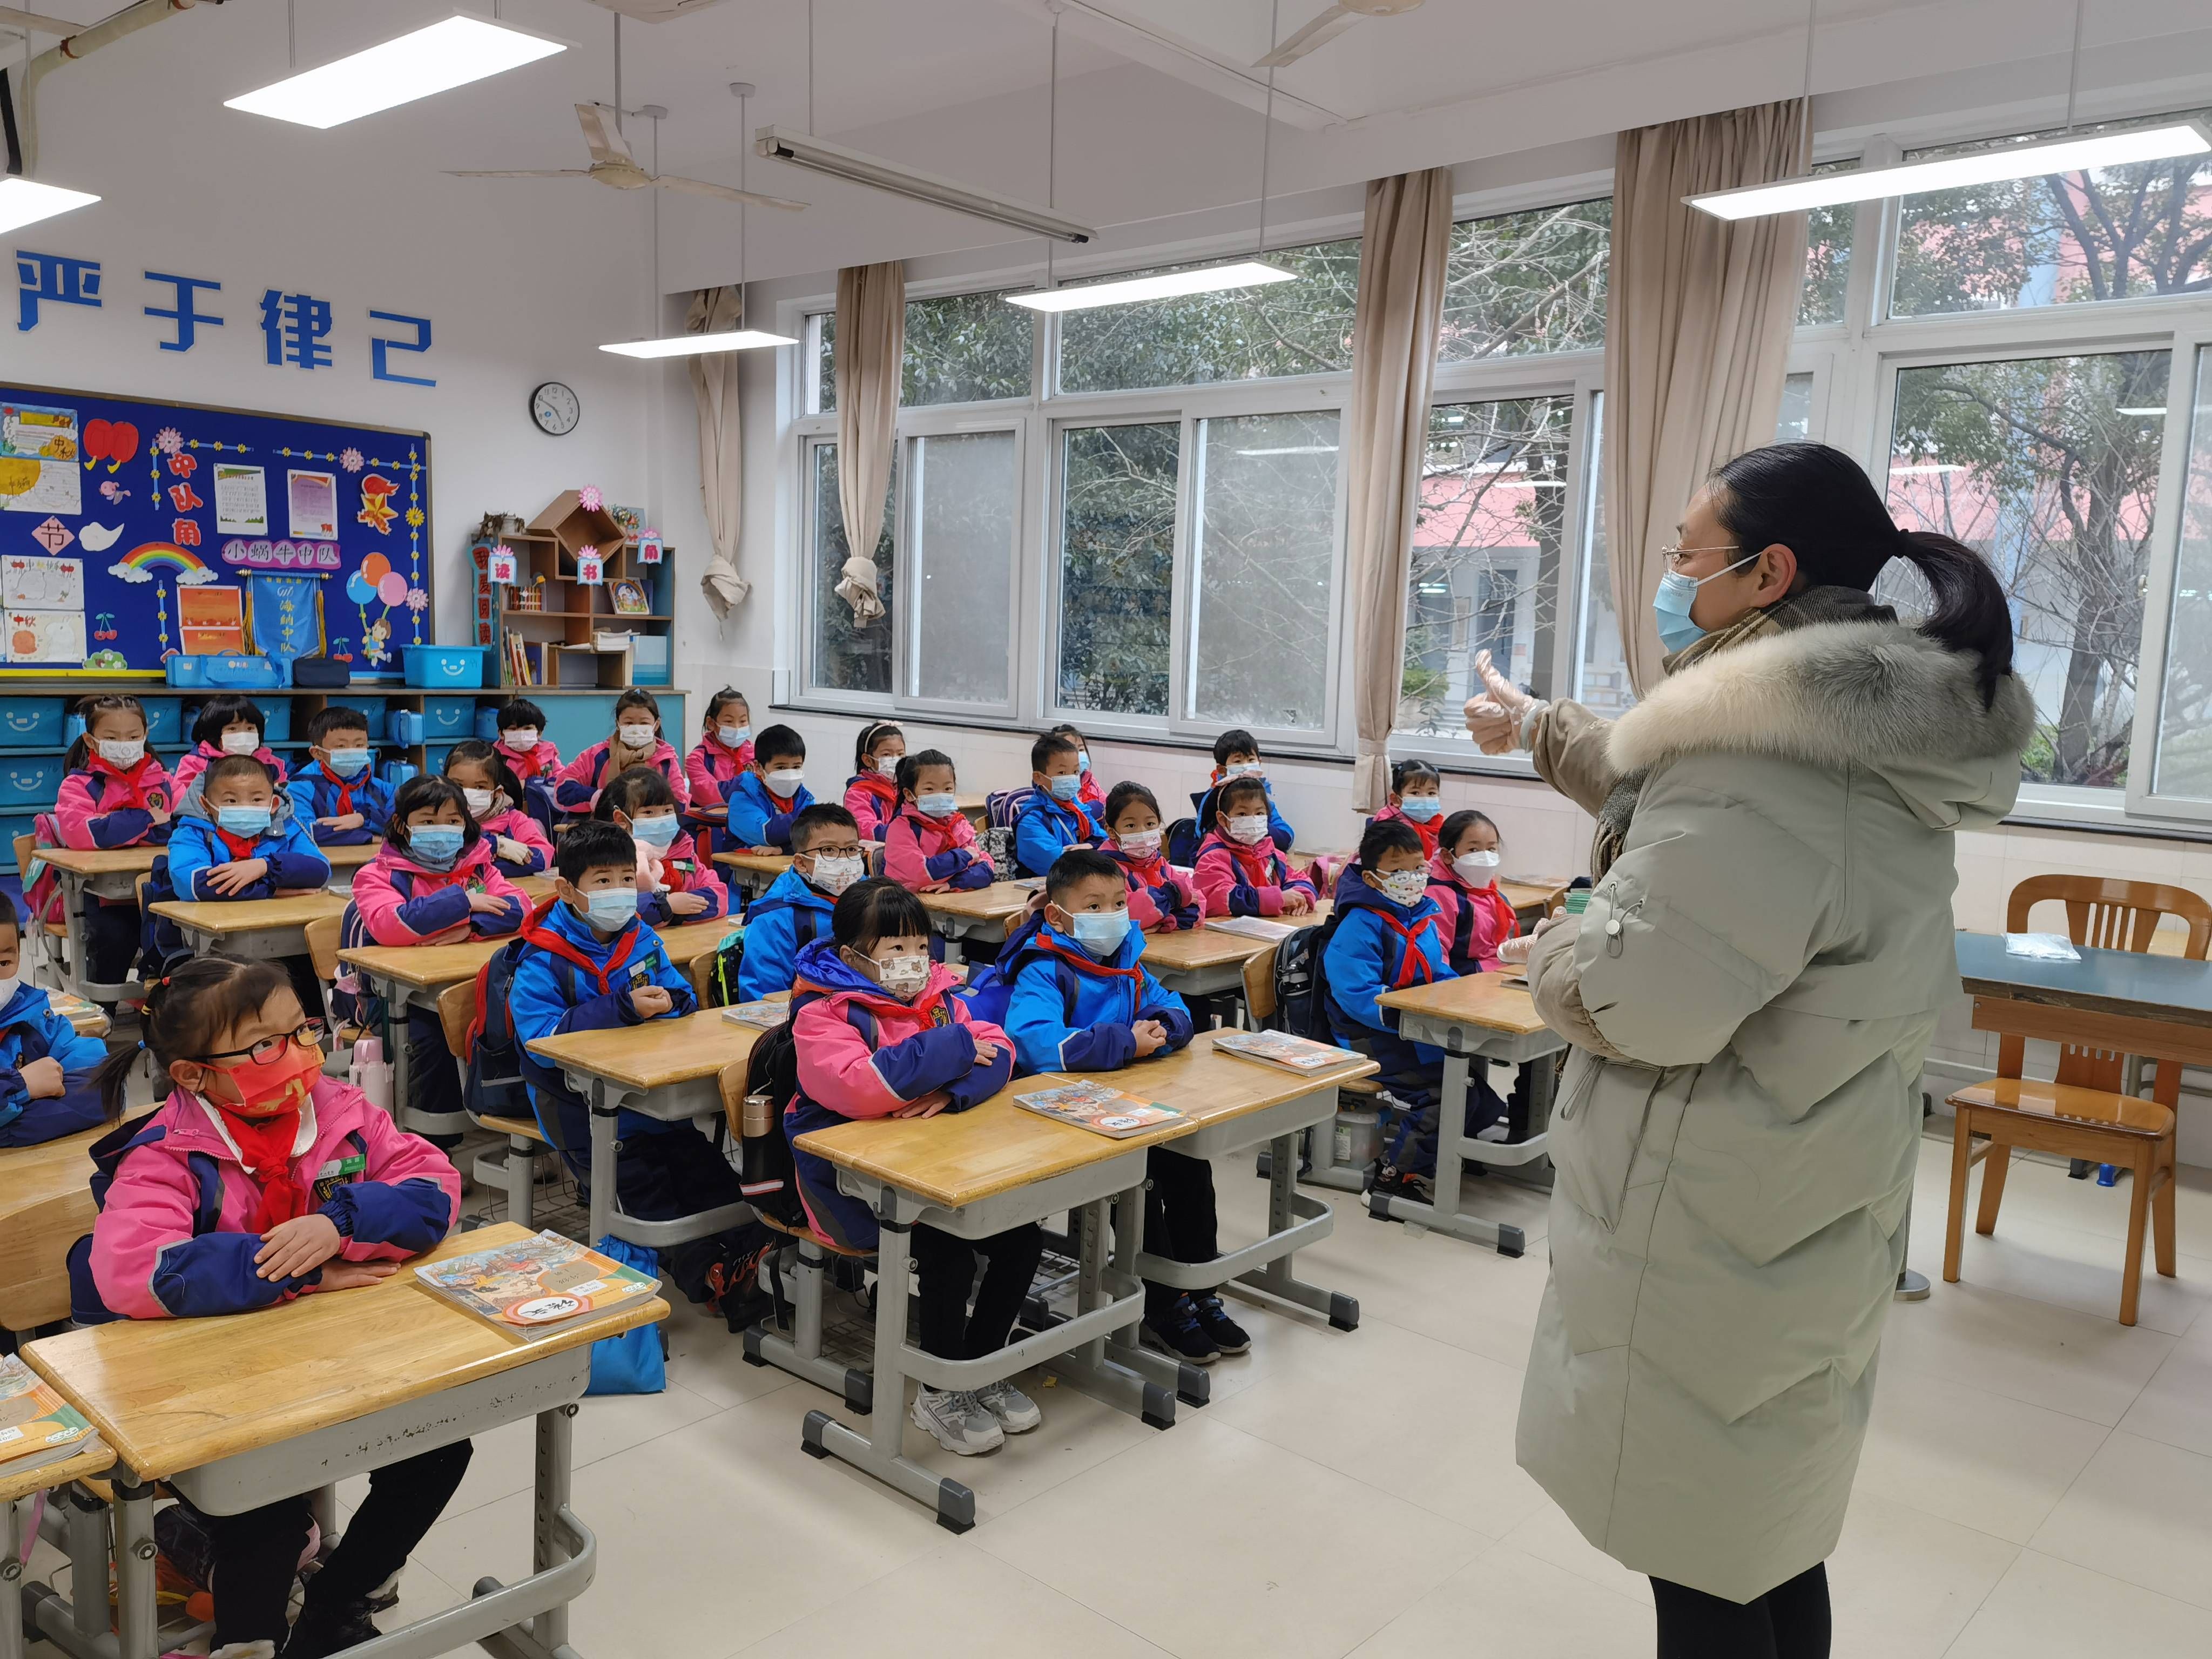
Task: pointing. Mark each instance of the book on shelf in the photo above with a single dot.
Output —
(761, 1016)
(1292, 1054)
(37, 1425)
(1098, 1108)
(536, 1287)
(1252, 928)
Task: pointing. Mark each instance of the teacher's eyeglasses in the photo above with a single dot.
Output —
(1676, 553)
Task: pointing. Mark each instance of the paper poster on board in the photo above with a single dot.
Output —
(241, 500)
(48, 636)
(211, 620)
(313, 500)
(40, 447)
(34, 584)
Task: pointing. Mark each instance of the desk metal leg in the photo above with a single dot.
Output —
(1113, 1368)
(139, 1619)
(76, 974)
(1276, 1277)
(12, 1551)
(603, 1161)
(1452, 1158)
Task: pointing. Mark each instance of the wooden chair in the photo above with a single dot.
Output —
(2081, 1113)
(799, 1353)
(52, 936)
(36, 1236)
(513, 1168)
(1322, 1169)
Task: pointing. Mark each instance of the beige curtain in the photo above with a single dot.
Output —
(722, 464)
(871, 352)
(1393, 354)
(1699, 313)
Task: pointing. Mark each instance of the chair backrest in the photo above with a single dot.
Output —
(731, 1079)
(323, 935)
(457, 1012)
(2107, 914)
(23, 845)
(1259, 987)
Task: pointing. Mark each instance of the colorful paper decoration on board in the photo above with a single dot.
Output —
(501, 567)
(591, 568)
(261, 554)
(376, 509)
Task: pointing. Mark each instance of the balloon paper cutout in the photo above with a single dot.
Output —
(393, 589)
(359, 589)
(375, 567)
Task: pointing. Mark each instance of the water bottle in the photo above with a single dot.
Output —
(371, 1072)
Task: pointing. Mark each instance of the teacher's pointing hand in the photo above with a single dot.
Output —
(1493, 720)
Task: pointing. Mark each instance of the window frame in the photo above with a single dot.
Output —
(942, 420)
(2142, 801)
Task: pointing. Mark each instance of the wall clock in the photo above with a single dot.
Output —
(556, 409)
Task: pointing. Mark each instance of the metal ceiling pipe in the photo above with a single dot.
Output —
(144, 14)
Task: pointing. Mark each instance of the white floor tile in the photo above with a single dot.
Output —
(1506, 1605)
(2045, 1608)
(2142, 1511)
(1904, 1584)
(2052, 1357)
(2176, 1405)
(1550, 1536)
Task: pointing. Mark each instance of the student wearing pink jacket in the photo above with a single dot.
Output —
(227, 725)
(520, 845)
(1162, 898)
(636, 742)
(258, 1180)
(1463, 881)
(1240, 870)
(929, 846)
(116, 794)
(871, 793)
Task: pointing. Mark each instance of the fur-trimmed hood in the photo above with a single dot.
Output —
(1878, 694)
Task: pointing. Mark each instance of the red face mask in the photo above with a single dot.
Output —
(281, 1085)
(265, 1122)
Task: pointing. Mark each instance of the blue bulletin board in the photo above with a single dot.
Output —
(132, 529)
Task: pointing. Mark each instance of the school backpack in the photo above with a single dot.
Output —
(1182, 842)
(722, 977)
(1301, 984)
(491, 1066)
(1002, 806)
(767, 1173)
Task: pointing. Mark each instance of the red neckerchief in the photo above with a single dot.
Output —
(134, 792)
(946, 831)
(739, 758)
(264, 1149)
(1253, 861)
(1414, 963)
(1428, 832)
(546, 940)
(240, 847)
(1152, 872)
(528, 765)
(1083, 962)
(880, 1002)
(345, 792)
(1509, 923)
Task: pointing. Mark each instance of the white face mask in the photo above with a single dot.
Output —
(522, 740)
(733, 737)
(240, 743)
(1243, 770)
(1248, 829)
(903, 976)
(121, 751)
(888, 765)
(1140, 843)
(833, 876)
(9, 986)
(1406, 886)
(479, 802)
(636, 736)
(785, 783)
(1475, 866)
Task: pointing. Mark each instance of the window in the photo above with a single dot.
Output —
(1484, 572)
(1264, 571)
(1117, 538)
(2064, 239)
(1527, 283)
(963, 348)
(2185, 738)
(1602, 681)
(2048, 466)
(1303, 327)
(842, 656)
(1794, 423)
(1827, 256)
(960, 559)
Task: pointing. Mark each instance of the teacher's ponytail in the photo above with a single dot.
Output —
(1970, 611)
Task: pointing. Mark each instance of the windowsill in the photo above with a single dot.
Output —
(2134, 828)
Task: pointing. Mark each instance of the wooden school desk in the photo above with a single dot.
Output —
(251, 929)
(2151, 1005)
(667, 1069)
(91, 1457)
(340, 1383)
(1209, 960)
(1532, 896)
(754, 872)
(411, 975)
(1478, 1016)
(982, 914)
(46, 1207)
(973, 1174)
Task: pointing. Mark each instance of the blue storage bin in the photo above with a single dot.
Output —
(10, 826)
(276, 719)
(30, 780)
(230, 671)
(434, 757)
(32, 722)
(395, 772)
(488, 722)
(164, 720)
(405, 727)
(434, 666)
(373, 708)
(449, 717)
(72, 728)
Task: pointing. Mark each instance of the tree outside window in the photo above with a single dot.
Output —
(1117, 566)
(1523, 283)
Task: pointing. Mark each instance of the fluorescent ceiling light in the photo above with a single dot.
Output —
(698, 345)
(803, 150)
(1214, 279)
(25, 202)
(445, 55)
(1931, 466)
(1981, 167)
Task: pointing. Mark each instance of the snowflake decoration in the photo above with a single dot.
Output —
(168, 441)
(349, 460)
(417, 600)
(414, 517)
(589, 498)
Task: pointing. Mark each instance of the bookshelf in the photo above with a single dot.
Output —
(556, 632)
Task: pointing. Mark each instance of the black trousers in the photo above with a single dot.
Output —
(1790, 1621)
(1180, 1221)
(256, 1554)
(111, 940)
(946, 1268)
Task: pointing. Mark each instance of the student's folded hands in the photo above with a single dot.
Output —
(650, 1001)
(42, 1077)
(236, 876)
(298, 1246)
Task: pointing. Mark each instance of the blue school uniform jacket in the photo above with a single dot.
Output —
(197, 846)
(30, 1029)
(779, 924)
(570, 979)
(1375, 946)
(1278, 827)
(318, 793)
(758, 818)
(1047, 827)
(1070, 1011)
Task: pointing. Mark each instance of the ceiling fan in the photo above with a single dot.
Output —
(657, 11)
(611, 164)
(1327, 27)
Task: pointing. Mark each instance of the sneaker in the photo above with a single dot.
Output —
(957, 1421)
(1214, 1319)
(1015, 1412)
(326, 1629)
(1175, 1330)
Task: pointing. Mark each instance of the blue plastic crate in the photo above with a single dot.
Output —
(276, 719)
(32, 722)
(434, 667)
(164, 720)
(373, 708)
(405, 727)
(488, 722)
(10, 826)
(449, 717)
(30, 780)
(434, 757)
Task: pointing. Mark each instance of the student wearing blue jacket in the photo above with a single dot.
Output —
(769, 794)
(46, 1068)
(338, 794)
(1083, 1001)
(589, 965)
(1236, 755)
(825, 859)
(1387, 934)
(1055, 816)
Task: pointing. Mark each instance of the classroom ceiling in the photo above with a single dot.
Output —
(1158, 123)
